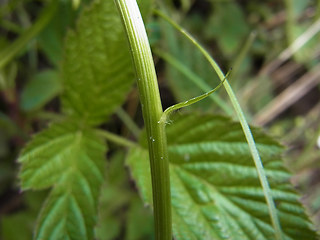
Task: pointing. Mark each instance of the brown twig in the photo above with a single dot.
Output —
(288, 97)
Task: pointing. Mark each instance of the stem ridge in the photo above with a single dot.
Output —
(152, 112)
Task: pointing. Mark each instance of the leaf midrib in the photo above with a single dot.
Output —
(224, 201)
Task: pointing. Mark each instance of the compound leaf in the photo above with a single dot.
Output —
(97, 70)
(70, 159)
(215, 189)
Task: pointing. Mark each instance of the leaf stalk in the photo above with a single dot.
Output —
(187, 103)
(152, 112)
(245, 127)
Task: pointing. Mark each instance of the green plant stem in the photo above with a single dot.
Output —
(194, 78)
(245, 126)
(128, 122)
(152, 111)
(187, 103)
(45, 115)
(26, 23)
(12, 50)
(10, 26)
(116, 139)
(239, 59)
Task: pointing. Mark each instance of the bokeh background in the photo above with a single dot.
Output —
(272, 47)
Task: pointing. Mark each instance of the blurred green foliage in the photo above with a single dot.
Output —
(31, 81)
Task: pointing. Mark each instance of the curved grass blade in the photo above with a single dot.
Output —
(187, 103)
(216, 193)
(245, 126)
(189, 74)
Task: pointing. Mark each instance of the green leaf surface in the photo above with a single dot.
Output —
(127, 211)
(24, 218)
(70, 159)
(97, 70)
(145, 7)
(51, 39)
(134, 229)
(40, 90)
(215, 189)
(111, 212)
(9, 226)
(228, 26)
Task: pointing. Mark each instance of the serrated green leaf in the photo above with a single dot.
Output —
(127, 206)
(215, 189)
(71, 160)
(40, 90)
(97, 69)
(134, 230)
(111, 212)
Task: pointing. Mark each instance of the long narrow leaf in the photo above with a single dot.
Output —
(245, 127)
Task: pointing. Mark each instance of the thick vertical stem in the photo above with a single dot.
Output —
(152, 111)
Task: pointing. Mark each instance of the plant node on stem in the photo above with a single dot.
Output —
(152, 112)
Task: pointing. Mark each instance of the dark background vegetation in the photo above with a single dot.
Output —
(280, 94)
